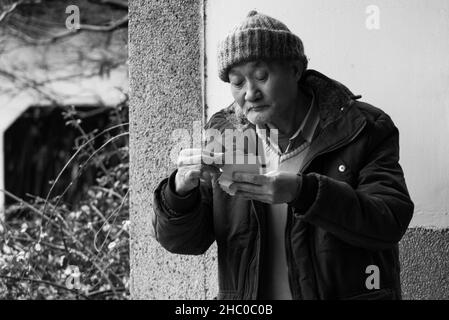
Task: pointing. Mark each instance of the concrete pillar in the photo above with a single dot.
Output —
(166, 69)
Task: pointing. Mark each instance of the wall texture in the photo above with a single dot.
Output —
(166, 94)
(425, 264)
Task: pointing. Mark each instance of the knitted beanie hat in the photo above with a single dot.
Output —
(258, 37)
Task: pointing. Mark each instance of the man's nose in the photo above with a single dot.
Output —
(253, 93)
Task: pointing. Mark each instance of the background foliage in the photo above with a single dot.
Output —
(49, 247)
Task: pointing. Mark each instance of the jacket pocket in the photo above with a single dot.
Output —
(382, 294)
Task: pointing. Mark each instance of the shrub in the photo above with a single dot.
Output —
(50, 249)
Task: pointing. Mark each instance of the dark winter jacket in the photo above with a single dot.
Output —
(350, 213)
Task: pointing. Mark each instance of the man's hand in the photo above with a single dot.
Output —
(272, 187)
(193, 165)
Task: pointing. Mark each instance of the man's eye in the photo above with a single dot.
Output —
(262, 76)
(237, 83)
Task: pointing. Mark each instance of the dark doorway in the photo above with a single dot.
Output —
(39, 144)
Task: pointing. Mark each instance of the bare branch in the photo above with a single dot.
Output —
(110, 27)
(83, 27)
(118, 3)
(105, 292)
(26, 204)
(47, 283)
(26, 83)
(6, 13)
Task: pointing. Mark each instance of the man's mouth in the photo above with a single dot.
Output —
(257, 108)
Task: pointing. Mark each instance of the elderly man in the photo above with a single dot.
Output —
(325, 219)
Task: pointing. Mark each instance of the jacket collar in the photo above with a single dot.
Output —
(340, 121)
(331, 95)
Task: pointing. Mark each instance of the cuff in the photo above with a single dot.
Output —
(306, 195)
(180, 204)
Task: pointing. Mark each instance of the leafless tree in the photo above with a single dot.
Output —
(37, 49)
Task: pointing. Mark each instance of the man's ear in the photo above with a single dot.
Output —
(298, 69)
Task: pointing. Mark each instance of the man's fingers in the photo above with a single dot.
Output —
(207, 158)
(253, 178)
(210, 169)
(252, 196)
(211, 158)
(247, 187)
(190, 152)
(193, 174)
(188, 161)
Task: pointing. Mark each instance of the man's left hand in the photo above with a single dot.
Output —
(272, 187)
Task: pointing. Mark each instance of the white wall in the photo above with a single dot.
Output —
(403, 68)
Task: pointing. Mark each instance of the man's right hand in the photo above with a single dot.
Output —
(193, 165)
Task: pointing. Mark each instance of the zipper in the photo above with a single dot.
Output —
(249, 291)
(336, 146)
(292, 275)
(314, 263)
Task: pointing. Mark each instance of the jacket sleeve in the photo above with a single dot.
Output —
(183, 225)
(375, 214)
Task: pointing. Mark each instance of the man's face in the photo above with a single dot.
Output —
(265, 91)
